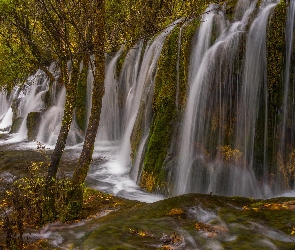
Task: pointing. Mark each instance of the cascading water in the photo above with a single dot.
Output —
(4, 103)
(254, 85)
(288, 100)
(109, 126)
(31, 100)
(142, 90)
(90, 79)
(5, 111)
(203, 42)
(209, 120)
(188, 129)
(127, 82)
(51, 121)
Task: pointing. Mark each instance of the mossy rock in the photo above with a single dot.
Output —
(16, 125)
(192, 221)
(33, 122)
(81, 100)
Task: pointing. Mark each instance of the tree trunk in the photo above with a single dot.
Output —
(75, 199)
(71, 88)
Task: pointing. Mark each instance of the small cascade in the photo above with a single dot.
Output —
(51, 121)
(203, 39)
(5, 111)
(6, 120)
(188, 129)
(109, 125)
(90, 79)
(30, 99)
(287, 143)
(254, 87)
(127, 82)
(143, 90)
(4, 103)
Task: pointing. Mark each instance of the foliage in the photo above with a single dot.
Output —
(229, 155)
(22, 202)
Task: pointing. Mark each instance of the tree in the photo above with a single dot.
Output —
(76, 195)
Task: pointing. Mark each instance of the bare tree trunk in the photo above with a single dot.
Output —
(71, 89)
(75, 199)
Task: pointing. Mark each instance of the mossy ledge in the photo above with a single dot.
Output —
(190, 221)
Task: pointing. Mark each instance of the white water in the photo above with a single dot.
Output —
(145, 80)
(253, 85)
(254, 81)
(214, 80)
(90, 79)
(5, 111)
(109, 125)
(30, 100)
(128, 81)
(188, 128)
(4, 103)
(111, 176)
(6, 120)
(51, 121)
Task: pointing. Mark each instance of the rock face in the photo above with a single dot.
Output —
(16, 125)
(33, 122)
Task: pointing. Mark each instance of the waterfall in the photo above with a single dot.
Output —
(127, 82)
(51, 121)
(109, 125)
(211, 107)
(289, 33)
(4, 103)
(30, 100)
(188, 129)
(203, 42)
(5, 110)
(143, 90)
(254, 85)
(90, 79)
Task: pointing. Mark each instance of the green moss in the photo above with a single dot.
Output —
(33, 121)
(16, 125)
(230, 9)
(275, 68)
(142, 226)
(81, 105)
(164, 109)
